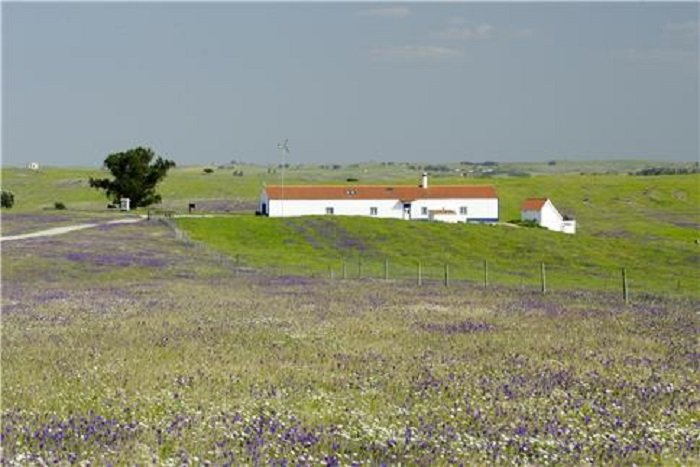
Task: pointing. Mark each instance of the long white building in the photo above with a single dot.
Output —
(445, 203)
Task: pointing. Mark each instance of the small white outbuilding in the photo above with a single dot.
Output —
(542, 211)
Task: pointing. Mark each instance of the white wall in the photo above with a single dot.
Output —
(549, 218)
(341, 207)
(481, 209)
(477, 209)
(568, 227)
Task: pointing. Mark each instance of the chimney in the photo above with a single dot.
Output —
(424, 181)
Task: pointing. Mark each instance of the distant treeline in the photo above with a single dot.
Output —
(667, 171)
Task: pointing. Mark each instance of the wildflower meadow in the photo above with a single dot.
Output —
(124, 345)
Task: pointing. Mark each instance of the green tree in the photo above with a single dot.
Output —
(135, 177)
(8, 199)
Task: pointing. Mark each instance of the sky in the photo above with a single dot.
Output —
(349, 82)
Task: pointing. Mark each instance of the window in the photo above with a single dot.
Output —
(424, 210)
(373, 211)
(463, 210)
(329, 210)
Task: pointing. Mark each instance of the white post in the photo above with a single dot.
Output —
(124, 204)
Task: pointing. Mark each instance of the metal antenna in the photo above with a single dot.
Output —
(285, 150)
(283, 146)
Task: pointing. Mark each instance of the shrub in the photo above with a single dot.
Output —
(436, 168)
(518, 173)
(527, 223)
(59, 205)
(208, 170)
(8, 199)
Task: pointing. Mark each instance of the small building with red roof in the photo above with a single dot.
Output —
(543, 212)
(446, 203)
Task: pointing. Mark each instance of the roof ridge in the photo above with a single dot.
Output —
(374, 186)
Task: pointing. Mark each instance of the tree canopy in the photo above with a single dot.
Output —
(135, 177)
(8, 199)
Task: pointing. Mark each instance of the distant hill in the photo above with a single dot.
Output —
(235, 187)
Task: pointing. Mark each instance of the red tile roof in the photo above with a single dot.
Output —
(533, 204)
(401, 192)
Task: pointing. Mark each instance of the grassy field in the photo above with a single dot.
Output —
(648, 225)
(323, 247)
(125, 345)
(222, 191)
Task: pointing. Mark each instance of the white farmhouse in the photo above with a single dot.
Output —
(542, 211)
(446, 203)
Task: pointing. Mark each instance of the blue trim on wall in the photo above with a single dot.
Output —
(482, 220)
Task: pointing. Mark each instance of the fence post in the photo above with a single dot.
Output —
(238, 263)
(386, 269)
(420, 275)
(345, 273)
(486, 273)
(447, 275)
(359, 268)
(330, 272)
(625, 290)
(543, 277)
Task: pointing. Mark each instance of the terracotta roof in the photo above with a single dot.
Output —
(533, 204)
(400, 192)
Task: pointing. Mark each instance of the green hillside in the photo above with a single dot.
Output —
(322, 245)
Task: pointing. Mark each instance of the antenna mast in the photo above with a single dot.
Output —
(285, 150)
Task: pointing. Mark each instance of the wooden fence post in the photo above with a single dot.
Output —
(420, 274)
(625, 290)
(345, 272)
(359, 268)
(447, 275)
(543, 277)
(386, 269)
(486, 273)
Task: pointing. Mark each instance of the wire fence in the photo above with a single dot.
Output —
(475, 272)
(543, 277)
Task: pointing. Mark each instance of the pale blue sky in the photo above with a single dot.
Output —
(349, 82)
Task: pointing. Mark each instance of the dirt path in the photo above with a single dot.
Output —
(66, 229)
